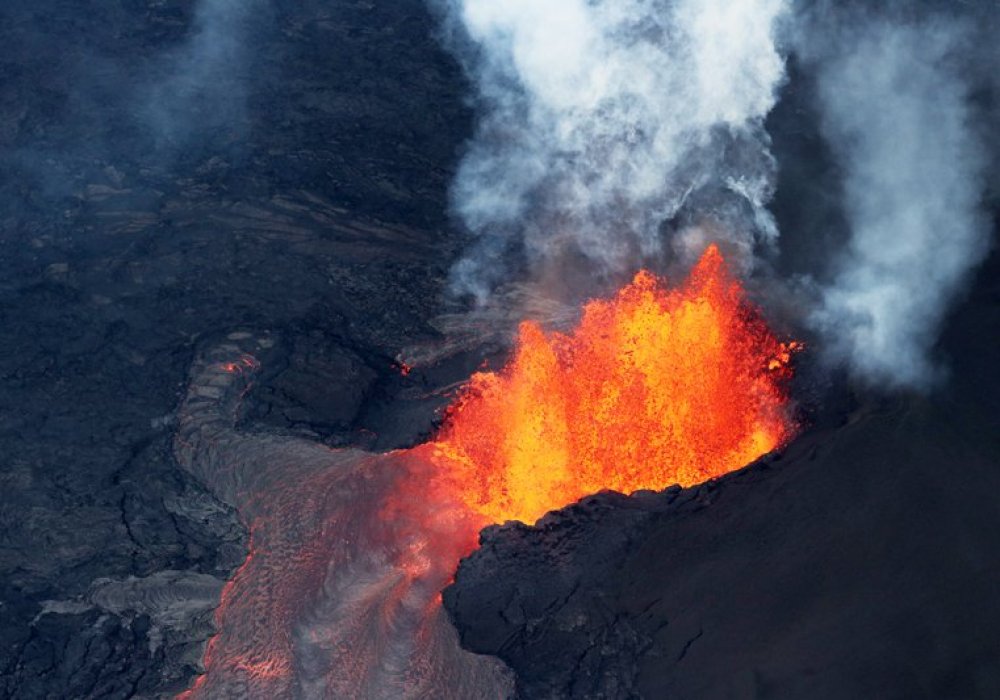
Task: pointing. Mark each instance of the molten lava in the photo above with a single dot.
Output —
(654, 387)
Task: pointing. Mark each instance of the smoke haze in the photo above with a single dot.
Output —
(204, 83)
(149, 84)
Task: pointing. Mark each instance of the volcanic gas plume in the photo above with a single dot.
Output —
(341, 596)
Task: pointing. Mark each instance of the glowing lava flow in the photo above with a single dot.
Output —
(341, 595)
(654, 387)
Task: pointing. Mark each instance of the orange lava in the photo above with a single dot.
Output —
(654, 387)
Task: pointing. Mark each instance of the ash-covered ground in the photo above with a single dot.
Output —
(162, 190)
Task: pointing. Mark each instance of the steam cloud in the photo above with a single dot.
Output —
(620, 133)
(896, 111)
(603, 119)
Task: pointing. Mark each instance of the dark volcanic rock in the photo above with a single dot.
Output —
(299, 394)
(526, 584)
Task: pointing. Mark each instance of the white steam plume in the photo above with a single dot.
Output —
(602, 119)
(896, 112)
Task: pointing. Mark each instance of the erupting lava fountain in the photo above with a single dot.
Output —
(654, 387)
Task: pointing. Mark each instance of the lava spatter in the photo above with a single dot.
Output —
(654, 387)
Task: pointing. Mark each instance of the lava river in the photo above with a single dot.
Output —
(340, 596)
